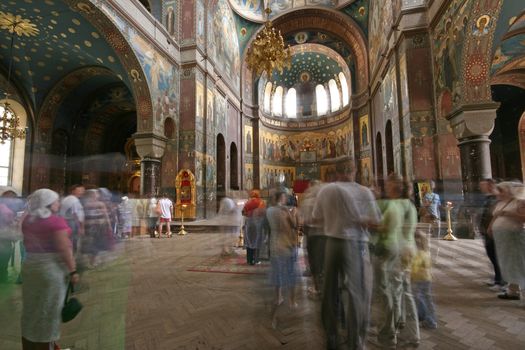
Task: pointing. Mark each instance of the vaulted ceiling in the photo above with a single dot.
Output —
(54, 41)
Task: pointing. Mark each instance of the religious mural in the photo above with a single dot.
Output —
(358, 10)
(365, 165)
(223, 46)
(254, 9)
(403, 78)
(448, 40)
(389, 93)
(307, 147)
(199, 8)
(381, 19)
(210, 120)
(364, 132)
(220, 113)
(248, 177)
(272, 176)
(199, 106)
(248, 139)
(170, 16)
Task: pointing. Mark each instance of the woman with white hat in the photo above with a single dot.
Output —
(48, 264)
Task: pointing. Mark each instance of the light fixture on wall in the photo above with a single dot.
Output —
(268, 51)
(9, 121)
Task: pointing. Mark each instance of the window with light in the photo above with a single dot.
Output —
(6, 155)
(277, 103)
(322, 100)
(344, 89)
(335, 96)
(290, 104)
(267, 97)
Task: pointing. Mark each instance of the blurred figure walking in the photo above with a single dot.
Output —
(282, 221)
(315, 240)
(346, 209)
(254, 211)
(98, 232)
(72, 210)
(422, 282)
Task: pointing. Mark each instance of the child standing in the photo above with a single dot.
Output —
(422, 282)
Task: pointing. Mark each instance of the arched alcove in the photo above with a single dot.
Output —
(390, 168)
(221, 167)
(234, 167)
(379, 159)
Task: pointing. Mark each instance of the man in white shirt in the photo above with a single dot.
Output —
(346, 209)
(72, 210)
(165, 208)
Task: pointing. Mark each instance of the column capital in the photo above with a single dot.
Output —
(149, 145)
(470, 121)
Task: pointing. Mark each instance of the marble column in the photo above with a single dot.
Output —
(472, 126)
(150, 147)
(149, 176)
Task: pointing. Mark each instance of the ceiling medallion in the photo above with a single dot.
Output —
(268, 51)
(15, 24)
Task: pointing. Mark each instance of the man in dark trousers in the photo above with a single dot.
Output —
(488, 187)
(346, 210)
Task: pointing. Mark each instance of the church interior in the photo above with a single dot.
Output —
(174, 98)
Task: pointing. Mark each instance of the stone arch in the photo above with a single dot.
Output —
(335, 23)
(116, 39)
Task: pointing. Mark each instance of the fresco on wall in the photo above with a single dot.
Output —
(358, 10)
(248, 176)
(403, 78)
(308, 146)
(220, 113)
(389, 92)
(245, 30)
(248, 139)
(170, 12)
(254, 9)
(381, 19)
(163, 80)
(210, 120)
(224, 46)
(199, 7)
(448, 38)
(365, 166)
(272, 176)
(308, 172)
(199, 106)
(364, 132)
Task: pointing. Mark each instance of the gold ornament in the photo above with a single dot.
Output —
(15, 24)
(268, 51)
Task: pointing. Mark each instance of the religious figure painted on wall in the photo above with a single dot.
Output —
(248, 138)
(170, 20)
(366, 171)
(364, 132)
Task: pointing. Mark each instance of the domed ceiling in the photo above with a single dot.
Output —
(55, 41)
(311, 63)
(254, 9)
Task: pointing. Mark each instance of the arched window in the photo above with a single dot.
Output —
(335, 96)
(290, 104)
(267, 97)
(277, 102)
(12, 153)
(344, 89)
(322, 100)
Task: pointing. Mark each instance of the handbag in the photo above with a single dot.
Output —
(72, 306)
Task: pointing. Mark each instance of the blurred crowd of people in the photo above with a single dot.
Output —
(58, 238)
(369, 253)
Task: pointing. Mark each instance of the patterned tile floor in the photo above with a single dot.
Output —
(143, 297)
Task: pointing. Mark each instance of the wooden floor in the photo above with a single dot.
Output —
(144, 298)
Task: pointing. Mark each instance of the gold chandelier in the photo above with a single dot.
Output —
(9, 121)
(268, 51)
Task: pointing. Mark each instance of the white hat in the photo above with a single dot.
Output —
(40, 200)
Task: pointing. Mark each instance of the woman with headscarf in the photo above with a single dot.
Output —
(509, 237)
(48, 266)
(254, 211)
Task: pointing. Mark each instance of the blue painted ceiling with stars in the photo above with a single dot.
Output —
(313, 67)
(62, 42)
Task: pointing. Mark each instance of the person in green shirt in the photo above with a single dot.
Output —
(394, 250)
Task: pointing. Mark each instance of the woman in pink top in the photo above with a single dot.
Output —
(45, 272)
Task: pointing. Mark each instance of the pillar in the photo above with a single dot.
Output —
(472, 126)
(149, 176)
(150, 147)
